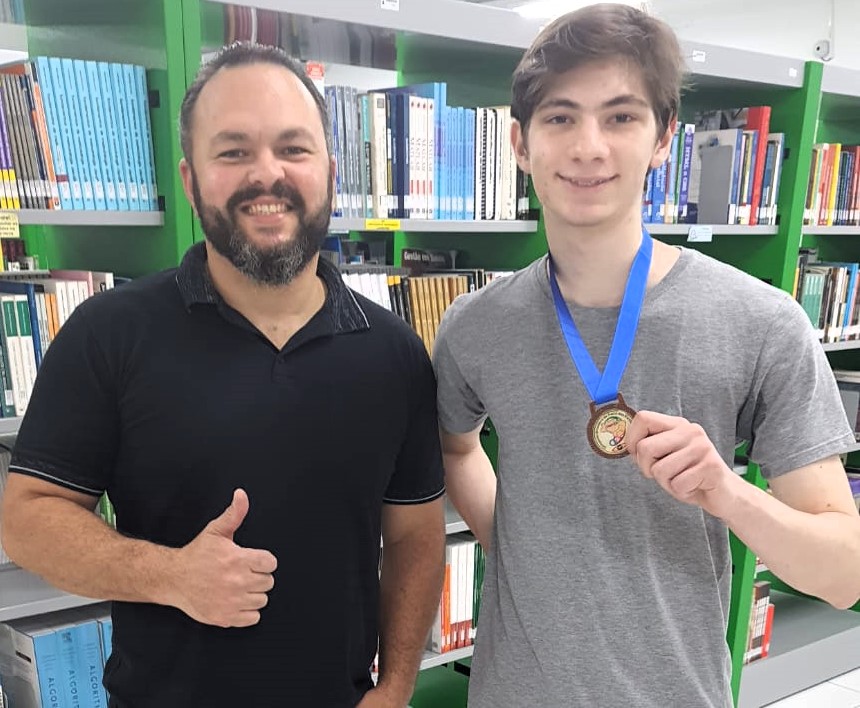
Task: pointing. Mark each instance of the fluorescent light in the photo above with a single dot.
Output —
(548, 9)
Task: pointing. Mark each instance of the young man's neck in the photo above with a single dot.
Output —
(277, 311)
(592, 263)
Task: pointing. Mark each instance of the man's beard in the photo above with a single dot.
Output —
(275, 265)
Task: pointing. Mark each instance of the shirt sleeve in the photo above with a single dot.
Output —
(794, 415)
(460, 408)
(418, 474)
(68, 435)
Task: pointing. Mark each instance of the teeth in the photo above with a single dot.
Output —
(259, 209)
(588, 182)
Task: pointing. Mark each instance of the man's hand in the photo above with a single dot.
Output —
(680, 457)
(381, 697)
(220, 583)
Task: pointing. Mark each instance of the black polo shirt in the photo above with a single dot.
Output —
(161, 394)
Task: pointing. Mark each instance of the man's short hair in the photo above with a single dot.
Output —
(244, 54)
(595, 33)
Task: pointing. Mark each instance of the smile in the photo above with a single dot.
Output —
(591, 182)
(265, 209)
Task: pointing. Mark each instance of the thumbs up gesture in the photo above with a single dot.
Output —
(221, 583)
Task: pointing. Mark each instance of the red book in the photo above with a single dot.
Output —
(758, 118)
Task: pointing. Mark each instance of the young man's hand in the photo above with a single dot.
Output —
(379, 697)
(680, 457)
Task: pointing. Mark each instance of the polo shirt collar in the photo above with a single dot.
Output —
(196, 287)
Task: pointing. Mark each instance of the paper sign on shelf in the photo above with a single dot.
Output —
(390, 5)
(9, 225)
(382, 224)
(699, 56)
(701, 234)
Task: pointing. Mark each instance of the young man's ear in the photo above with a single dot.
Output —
(521, 151)
(664, 144)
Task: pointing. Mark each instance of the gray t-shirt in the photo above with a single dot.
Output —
(600, 589)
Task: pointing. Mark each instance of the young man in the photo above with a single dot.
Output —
(608, 576)
(256, 424)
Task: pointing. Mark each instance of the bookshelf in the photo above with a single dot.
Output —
(9, 426)
(811, 643)
(717, 230)
(459, 226)
(59, 217)
(23, 594)
(831, 230)
(475, 49)
(148, 33)
(841, 346)
(13, 41)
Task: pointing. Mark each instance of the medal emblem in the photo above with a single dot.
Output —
(607, 428)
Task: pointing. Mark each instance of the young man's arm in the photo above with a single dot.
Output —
(470, 481)
(53, 532)
(413, 567)
(807, 533)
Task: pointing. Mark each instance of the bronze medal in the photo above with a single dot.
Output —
(608, 426)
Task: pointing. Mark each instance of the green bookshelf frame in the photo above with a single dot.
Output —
(168, 37)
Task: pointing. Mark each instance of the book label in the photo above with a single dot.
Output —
(9, 225)
(701, 234)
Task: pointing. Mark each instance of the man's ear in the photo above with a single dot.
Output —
(187, 175)
(521, 150)
(333, 172)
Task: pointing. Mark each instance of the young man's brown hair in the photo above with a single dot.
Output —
(599, 32)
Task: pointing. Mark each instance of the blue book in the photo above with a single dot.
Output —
(88, 641)
(70, 667)
(331, 106)
(114, 138)
(686, 164)
(124, 125)
(42, 77)
(138, 136)
(148, 158)
(102, 142)
(85, 103)
(69, 95)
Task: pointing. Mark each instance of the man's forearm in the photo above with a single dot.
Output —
(471, 485)
(74, 550)
(410, 588)
(818, 554)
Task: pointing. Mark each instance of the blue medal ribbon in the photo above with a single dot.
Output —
(603, 388)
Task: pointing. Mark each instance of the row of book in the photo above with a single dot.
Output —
(833, 190)
(313, 38)
(33, 307)
(760, 624)
(724, 168)
(56, 660)
(12, 12)
(420, 300)
(76, 135)
(456, 622)
(405, 153)
(829, 294)
(455, 625)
